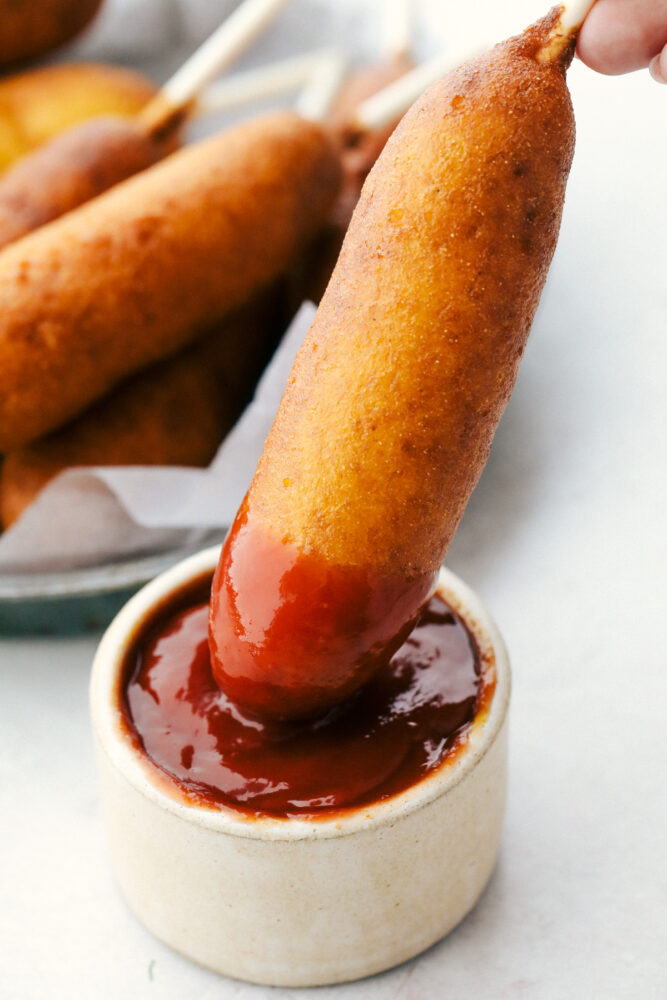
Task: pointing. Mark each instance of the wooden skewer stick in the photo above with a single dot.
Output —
(573, 14)
(219, 51)
(318, 95)
(266, 82)
(398, 28)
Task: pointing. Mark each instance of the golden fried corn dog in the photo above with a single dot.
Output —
(391, 406)
(71, 169)
(175, 413)
(132, 276)
(39, 104)
(33, 28)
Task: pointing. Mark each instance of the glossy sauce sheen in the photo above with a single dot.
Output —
(398, 728)
(293, 636)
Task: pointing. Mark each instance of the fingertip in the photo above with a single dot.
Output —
(658, 66)
(602, 44)
(620, 36)
(596, 57)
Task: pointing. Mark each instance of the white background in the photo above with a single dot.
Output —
(564, 540)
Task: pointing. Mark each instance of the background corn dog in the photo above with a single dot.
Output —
(138, 427)
(362, 148)
(391, 406)
(132, 276)
(72, 169)
(170, 415)
(93, 157)
(175, 413)
(59, 165)
(39, 104)
(28, 30)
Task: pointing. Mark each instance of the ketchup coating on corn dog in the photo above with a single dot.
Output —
(390, 410)
(275, 608)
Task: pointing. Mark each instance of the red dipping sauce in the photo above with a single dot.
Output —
(411, 716)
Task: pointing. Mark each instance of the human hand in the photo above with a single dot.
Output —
(619, 36)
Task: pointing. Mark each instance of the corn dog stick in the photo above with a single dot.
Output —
(391, 406)
(388, 104)
(564, 33)
(266, 82)
(315, 100)
(132, 276)
(398, 28)
(219, 51)
(574, 13)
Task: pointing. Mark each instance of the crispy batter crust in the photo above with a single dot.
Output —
(134, 275)
(173, 414)
(41, 103)
(35, 27)
(71, 169)
(170, 415)
(392, 404)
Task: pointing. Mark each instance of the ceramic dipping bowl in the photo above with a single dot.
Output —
(306, 901)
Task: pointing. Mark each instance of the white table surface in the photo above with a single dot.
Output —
(564, 539)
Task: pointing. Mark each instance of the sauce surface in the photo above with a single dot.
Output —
(409, 717)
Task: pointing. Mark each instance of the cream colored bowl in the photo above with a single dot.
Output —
(301, 902)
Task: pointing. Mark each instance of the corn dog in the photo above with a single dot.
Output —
(28, 30)
(170, 415)
(175, 413)
(136, 274)
(389, 412)
(39, 104)
(71, 169)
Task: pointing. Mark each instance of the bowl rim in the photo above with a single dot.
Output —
(113, 740)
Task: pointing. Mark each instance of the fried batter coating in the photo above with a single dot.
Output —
(176, 413)
(71, 169)
(393, 400)
(39, 104)
(130, 277)
(389, 414)
(33, 28)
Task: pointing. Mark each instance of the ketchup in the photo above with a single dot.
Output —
(293, 636)
(410, 717)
